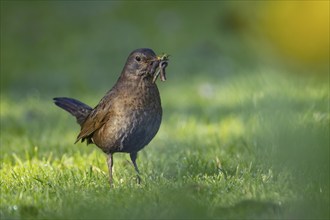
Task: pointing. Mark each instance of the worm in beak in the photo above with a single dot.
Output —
(161, 63)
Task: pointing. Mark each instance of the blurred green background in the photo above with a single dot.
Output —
(47, 44)
(245, 132)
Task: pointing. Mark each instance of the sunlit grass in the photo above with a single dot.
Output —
(231, 148)
(245, 131)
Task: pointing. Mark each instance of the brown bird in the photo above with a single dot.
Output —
(129, 115)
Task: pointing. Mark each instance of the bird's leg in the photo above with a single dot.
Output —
(133, 159)
(110, 165)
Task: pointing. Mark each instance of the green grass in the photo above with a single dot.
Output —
(247, 146)
(244, 136)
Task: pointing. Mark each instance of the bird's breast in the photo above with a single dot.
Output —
(135, 119)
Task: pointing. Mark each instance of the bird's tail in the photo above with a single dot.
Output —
(74, 107)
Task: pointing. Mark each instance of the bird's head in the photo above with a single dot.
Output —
(146, 64)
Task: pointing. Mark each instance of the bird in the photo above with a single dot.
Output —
(129, 115)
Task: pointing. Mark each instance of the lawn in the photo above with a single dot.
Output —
(241, 138)
(242, 147)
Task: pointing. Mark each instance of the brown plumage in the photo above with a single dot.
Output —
(129, 115)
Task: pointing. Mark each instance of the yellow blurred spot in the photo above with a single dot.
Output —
(298, 29)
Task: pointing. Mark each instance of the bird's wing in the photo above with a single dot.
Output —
(96, 119)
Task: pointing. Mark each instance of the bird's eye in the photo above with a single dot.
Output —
(138, 58)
